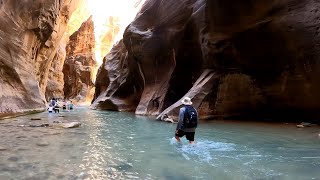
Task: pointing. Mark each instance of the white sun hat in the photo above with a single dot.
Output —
(186, 101)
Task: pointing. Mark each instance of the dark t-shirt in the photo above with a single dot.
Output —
(180, 122)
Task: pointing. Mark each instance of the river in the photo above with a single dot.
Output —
(113, 145)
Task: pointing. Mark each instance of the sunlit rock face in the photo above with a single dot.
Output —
(79, 15)
(54, 88)
(107, 35)
(79, 63)
(30, 33)
(234, 59)
(55, 82)
(111, 17)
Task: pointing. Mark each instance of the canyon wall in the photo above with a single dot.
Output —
(55, 81)
(31, 34)
(244, 59)
(79, 64)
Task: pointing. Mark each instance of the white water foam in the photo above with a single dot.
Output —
(201, 150)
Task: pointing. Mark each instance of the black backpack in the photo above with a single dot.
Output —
(190, 119)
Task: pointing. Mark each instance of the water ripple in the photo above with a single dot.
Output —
(112, 145)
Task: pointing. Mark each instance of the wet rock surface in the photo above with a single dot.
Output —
(2, 148)
(264, 56)
(42, 143)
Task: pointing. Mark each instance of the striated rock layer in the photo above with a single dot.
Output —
(118, 87)
(30, 36)
(55, 80)
(79, 64)
(244, 59)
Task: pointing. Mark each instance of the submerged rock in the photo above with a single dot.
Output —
(43, 143)
(55, 124)
(3, 148)
(35, 119)
(305, 124)
(39, 125)
(13, 158)
(67, 125)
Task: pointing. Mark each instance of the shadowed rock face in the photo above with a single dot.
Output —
(155, 50)
(30, 33)
(118, 84)
(79, 63)
(268, 54)
(245, 58)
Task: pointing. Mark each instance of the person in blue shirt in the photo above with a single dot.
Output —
(188, 120)
(70, 105)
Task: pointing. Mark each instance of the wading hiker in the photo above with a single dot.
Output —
(50, 108)
(53, 102)
(188, 121)
(64, 105)
(56, 107)
(70, 106)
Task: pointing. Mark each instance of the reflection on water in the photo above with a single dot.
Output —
(112, 145)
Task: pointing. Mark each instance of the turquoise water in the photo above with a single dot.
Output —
(111, 145)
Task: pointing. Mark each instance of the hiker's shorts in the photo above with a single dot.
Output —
(189, 135)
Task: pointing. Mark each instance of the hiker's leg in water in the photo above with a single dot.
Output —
(177, 138)
(190, 137)
(178, 134)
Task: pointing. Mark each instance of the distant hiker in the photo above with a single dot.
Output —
(50, 108)
(56, 107)
(64, 105)
(70, 106)
(53, 102)
(188, 121)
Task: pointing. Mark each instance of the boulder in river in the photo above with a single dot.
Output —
(39, 125)
(67, 125)
(305, 124)
(56, 124)
(42, 143)
(3, 148)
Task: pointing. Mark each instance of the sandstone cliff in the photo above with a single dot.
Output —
(116, 87)
(244, 58)
(30, 33)
(79, 64)
(55, 80)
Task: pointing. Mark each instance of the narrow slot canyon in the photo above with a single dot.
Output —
(251, 60)
(159, 89)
